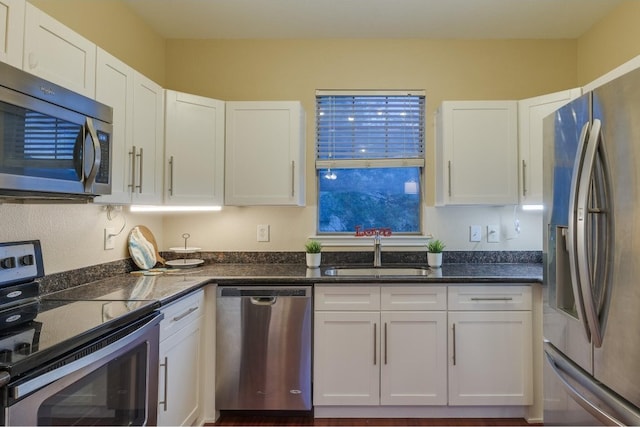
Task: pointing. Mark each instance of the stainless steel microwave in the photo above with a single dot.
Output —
(54, 143)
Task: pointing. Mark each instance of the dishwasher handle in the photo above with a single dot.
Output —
(261, 294)
(263, 300)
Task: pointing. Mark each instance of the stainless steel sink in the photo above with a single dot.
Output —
(377, 271)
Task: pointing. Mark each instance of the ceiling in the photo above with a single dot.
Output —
(434, 19)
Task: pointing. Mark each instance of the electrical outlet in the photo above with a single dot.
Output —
(493, 233)
(475, 233)
(109, 238)
(263, 232)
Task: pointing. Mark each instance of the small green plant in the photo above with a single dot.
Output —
(435, 246)
(313, 247)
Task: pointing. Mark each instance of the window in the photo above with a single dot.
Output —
(369, 160)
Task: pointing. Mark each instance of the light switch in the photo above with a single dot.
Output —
(475, 233)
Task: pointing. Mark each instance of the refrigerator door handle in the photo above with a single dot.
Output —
(571, 230)
(566, 371)
(583, 232)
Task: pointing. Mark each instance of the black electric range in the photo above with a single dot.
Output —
(36, 330)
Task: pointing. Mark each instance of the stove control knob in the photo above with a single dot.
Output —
(26, 260)
(23, 348)
(6, 263)
(5, 356)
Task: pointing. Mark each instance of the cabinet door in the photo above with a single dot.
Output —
(148, 140)
(531, 112)
(58, 54)
(477, 152)
(194, 149)
(490, 359)
(264, 153)
(12, 31)
(114, 87)
(178, 386)
(346, 358)
(413, 358)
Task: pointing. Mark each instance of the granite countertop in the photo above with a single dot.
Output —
(174, 283)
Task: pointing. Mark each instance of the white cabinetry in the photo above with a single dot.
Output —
(531, 113)
(477, 153)
(138, 131)
(148, 141)
(490, 345)
(265, 153)
(194, 149)
(114, 87)
(57, 53)
(180, 358)
(380, 346)
(12, 31)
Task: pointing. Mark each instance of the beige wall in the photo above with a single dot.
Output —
(292, 69)
(611, 42)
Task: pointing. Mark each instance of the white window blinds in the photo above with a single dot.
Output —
(369, 129)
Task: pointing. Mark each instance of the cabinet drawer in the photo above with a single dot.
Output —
(505, 297)
(404, 298)
(352, 298)
(180, 313)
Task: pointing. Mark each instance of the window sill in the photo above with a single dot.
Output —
(391, 241)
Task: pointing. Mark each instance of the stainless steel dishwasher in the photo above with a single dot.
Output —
(263, 347)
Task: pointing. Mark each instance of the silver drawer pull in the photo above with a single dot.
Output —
(492, 299)
(185, 314)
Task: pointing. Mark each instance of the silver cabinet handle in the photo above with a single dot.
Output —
(524, 177)
(492, 299)
(454, 343)
(449, 180)
(185, 314)
(375, 343)
(132, 153)
(165, 365)
(171, 176)
(293, 178)
(139, 187)
(386, 338)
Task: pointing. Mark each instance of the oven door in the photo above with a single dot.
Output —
(115, 384)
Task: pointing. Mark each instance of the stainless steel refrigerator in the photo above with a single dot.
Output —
(592, 258)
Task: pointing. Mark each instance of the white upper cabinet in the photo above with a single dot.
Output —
(12, 31)
(531, 113)
(58, 54)
(114, 87)
(265, 153)
(138, 132)
(194, 149)
(148, 141)
(477, 153)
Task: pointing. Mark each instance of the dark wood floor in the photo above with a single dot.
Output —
(266, 420)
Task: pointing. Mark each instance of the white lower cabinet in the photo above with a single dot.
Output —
(490, 345)
(369, 354)
(180, 354)
(424, 346)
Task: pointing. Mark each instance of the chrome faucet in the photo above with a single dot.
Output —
(377, 255)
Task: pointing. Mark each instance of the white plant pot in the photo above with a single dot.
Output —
(434, 260)
(313, 260)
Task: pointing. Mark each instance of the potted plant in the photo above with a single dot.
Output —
(434, 253)
(313, 248)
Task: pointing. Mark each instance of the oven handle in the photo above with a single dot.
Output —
(40, 381)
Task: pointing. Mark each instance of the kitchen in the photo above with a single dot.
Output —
(292, 69)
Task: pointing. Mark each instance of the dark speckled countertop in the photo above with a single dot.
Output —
(175, 283)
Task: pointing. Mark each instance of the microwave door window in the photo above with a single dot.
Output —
(39, 145)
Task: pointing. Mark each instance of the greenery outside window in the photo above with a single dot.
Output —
(369, 161)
